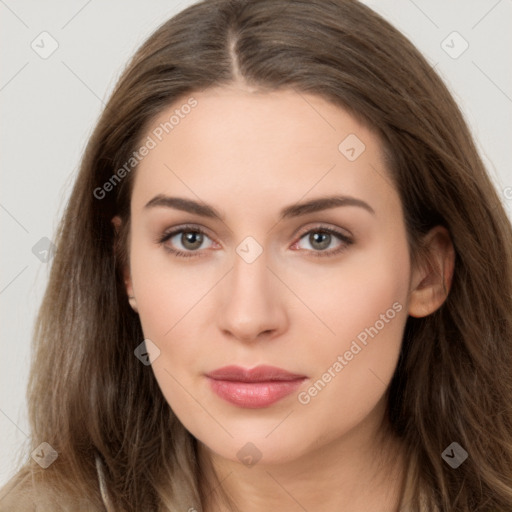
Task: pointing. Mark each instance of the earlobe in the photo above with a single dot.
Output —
(133, 303)
(129, 291)
(432, 276)
(117, 222)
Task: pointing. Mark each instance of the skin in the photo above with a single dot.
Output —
(249, 154)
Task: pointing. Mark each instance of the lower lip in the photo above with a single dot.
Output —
(254, 395)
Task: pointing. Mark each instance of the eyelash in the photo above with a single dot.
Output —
(346, 241)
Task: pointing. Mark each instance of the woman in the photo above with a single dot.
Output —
(283, 280)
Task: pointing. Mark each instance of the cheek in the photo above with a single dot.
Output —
(353, 372)
(169, 301)
(166, 303)
(351, 296)
(365, 306)
(166, 292)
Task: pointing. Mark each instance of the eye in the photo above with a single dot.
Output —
(188, 241)
(323, 241)
(185, 241)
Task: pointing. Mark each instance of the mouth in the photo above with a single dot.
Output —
(253, 388)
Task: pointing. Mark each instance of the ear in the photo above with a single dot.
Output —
(432, 275)
(117, 223)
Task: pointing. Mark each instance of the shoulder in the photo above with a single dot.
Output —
(17, 495)
(22, 494)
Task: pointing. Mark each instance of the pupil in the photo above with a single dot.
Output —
(322, 240)
(192, 240)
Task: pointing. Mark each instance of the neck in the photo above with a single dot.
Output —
(362, 470)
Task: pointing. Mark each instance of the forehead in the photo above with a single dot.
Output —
(256, 143)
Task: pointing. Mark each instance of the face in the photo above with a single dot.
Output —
(266, 231)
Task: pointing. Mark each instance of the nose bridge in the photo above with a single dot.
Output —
(250, 272)
(252, 300)
(250, 281)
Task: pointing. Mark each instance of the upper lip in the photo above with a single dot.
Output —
(262, 373)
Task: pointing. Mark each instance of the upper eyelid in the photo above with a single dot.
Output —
(186, 227)
(324, 227)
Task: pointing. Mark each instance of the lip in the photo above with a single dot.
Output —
(253, 388)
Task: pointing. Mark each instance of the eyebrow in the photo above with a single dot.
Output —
(295, 210)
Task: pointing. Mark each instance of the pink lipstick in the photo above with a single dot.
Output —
(253, 388)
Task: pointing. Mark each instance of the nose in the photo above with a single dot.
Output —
(253, 306)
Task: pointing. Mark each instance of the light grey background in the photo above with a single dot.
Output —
(50, 105)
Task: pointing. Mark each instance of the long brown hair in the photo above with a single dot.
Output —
(88, 394)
